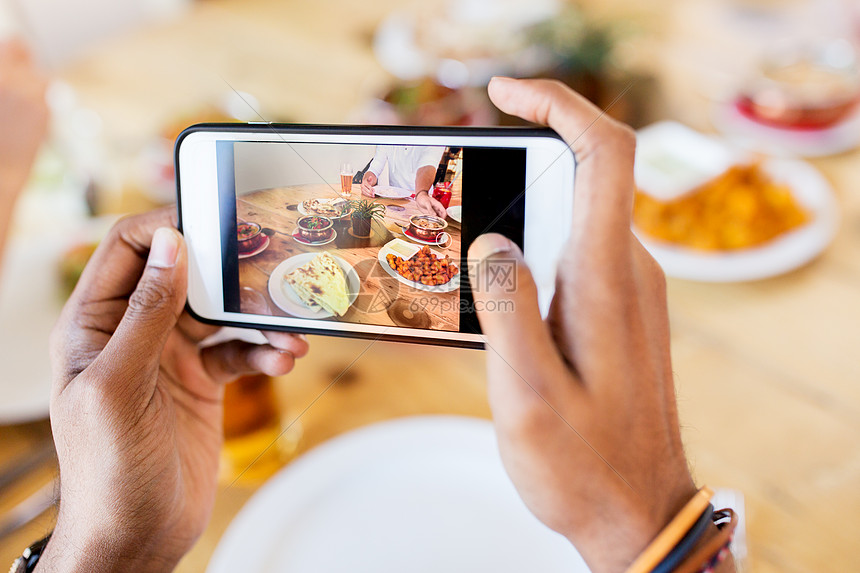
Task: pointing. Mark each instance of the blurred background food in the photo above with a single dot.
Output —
(774, 84)
(741, 208)
(805, 91)
(72, 264)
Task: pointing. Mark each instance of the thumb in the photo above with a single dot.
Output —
(153, 309)
(519, 344)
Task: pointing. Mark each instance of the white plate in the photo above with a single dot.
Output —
(781, 255)
(751, 134)
(451, 285)
(422, 495)
(287, 300)
(30, 303)
(389, 192)
(301, 208)
(456, 213)
(672, 159)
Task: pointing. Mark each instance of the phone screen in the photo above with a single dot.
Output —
(364, 234)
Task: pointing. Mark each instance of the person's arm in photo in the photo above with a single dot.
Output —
(424, 179)
(425, 176)
(371, 177)
(24, 121)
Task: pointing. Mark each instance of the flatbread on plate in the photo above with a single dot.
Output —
(321, 283)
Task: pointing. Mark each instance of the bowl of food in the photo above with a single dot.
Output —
(250, 237)
(314, 228)
(427, 227)
(805, 91)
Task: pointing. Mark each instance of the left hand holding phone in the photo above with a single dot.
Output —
(136, 407)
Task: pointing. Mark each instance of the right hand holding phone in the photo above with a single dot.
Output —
(584, 402)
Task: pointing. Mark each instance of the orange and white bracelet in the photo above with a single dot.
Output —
(669, 537)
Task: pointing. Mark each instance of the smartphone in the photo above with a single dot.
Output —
(364, 231)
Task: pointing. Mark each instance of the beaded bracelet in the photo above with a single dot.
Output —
(721, 555)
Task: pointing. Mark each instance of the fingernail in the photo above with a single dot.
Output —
(164, 249)
(489, 245)
(301, 336)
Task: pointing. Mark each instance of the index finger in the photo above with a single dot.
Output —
(604, 151)
(117, 264)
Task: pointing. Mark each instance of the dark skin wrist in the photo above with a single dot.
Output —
(75, 547)
(614, 542)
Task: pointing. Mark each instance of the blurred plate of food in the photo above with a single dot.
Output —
(419, 267)
(380, 494)
(751, 134)
(802, 102)
(156, 177)
(38, 273)
(749, 219)
(427, 102)
(461, 42)
(314, 285)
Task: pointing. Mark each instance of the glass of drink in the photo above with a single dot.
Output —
(442, 193)
(346, 180)
(257, 441)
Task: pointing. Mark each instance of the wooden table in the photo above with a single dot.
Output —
(767, 373)
(382, 300)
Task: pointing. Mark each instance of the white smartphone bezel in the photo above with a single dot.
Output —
(550, 167)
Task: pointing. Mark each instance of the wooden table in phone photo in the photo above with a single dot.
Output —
(382, 299)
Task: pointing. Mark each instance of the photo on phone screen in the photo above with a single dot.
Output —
(344, 233)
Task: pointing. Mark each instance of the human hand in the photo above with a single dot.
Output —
(136, 406)
(23, 115)
(368, 181)
(584, 402)
(430, 205)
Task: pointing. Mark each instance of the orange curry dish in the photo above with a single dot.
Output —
(424, 267)
(744, 207)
